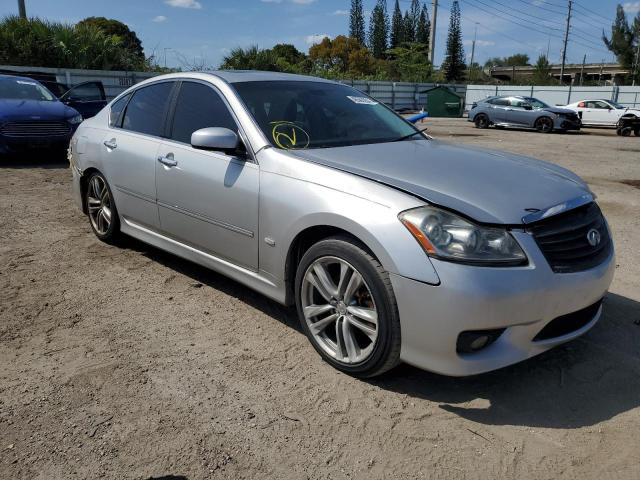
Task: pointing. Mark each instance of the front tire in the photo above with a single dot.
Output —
(101, 209)
(544, 125)
(347, 307)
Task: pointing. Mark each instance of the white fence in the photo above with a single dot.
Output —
(628, 96)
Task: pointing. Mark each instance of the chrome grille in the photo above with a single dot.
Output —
(35, 129)
(564, 243)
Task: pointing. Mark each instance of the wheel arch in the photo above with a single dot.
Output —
(84, 182)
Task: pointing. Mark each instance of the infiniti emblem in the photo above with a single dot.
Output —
(593, 237)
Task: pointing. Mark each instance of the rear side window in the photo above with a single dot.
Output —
(500, 101)
(199, 106)
(145, 112)
(116, 111)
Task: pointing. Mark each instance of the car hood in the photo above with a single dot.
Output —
(488, 186)
(14, 109)
(559, 110)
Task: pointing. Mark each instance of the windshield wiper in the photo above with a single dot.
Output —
(405, 137)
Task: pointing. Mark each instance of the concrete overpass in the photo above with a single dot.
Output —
(604, 73)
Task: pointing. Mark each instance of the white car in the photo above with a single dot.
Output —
(603, 112)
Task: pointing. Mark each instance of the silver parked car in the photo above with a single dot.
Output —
(393, 246)
(523, 112)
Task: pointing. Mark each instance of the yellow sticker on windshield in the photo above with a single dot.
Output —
(288, 135)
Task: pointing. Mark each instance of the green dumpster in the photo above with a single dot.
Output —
(443, 102)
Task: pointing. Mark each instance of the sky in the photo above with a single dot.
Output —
(201, 32)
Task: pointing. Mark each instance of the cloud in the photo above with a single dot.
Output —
(341, 12)
(184, 4)
(159, 19)
(631, 7)
(317, 38)
(297, 2)
(480, 43)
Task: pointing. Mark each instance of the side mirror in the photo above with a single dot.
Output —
(215, 138)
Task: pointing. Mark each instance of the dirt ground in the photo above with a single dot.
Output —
(130, 363)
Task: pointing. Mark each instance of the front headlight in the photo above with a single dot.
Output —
(447, 236)
(75, 120)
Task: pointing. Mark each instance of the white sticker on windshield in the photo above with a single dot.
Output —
(362, 100)
(22, 82)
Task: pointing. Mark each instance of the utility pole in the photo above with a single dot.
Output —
(432, 33)
(584, 60)
(22, 9)
(473, 48)
(566, 39)
(636, 70)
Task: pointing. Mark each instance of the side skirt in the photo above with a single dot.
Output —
(242, 275)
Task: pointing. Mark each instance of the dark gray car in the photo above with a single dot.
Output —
(522, 112)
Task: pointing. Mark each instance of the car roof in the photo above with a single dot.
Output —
(237, 76)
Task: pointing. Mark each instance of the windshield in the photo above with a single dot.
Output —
(616, 105)
(302, 114)
(22, 89)
(535, 103)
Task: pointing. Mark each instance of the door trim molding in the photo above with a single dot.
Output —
(204, 218)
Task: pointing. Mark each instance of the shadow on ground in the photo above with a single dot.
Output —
(582, 383)
(36, 159)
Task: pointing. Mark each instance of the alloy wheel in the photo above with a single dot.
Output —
(339, 310)
(99, 204)
(545, 125)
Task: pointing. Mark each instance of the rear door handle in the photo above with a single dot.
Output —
(168, 160)
(111, 143)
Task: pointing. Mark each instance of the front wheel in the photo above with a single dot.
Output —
(544, 125)
(101, 209)
(347, 307)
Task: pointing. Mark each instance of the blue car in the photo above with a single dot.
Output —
(32, 117)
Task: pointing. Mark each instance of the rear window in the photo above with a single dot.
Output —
(499, 101)
(147, 109)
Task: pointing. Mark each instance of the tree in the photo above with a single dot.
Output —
(414, 16)
(340, 57)
(409, 63)
(252, 58)
(41, 43)
(111, 27)
(356, 21)
(379, 29)
(409, 34)
(624, 38)
(424, 26)
(397, 26)
(454, 64)
(515, 60)
(542, 71)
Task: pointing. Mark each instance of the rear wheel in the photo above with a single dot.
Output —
(101, 209)
(481, 121)
(626, 131)
(347, 307)
(544, 125)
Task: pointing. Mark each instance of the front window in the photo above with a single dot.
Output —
(306, 114)
(535, 103)
(24, 89)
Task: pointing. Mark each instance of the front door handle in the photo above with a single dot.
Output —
(168, 160)
(111, 143)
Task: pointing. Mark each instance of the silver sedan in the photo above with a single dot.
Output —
(392, 246)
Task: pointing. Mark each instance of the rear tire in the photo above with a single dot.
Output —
(101, 209)
(626, 131)
(347, 308)
(544, 125)
(481, 121)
